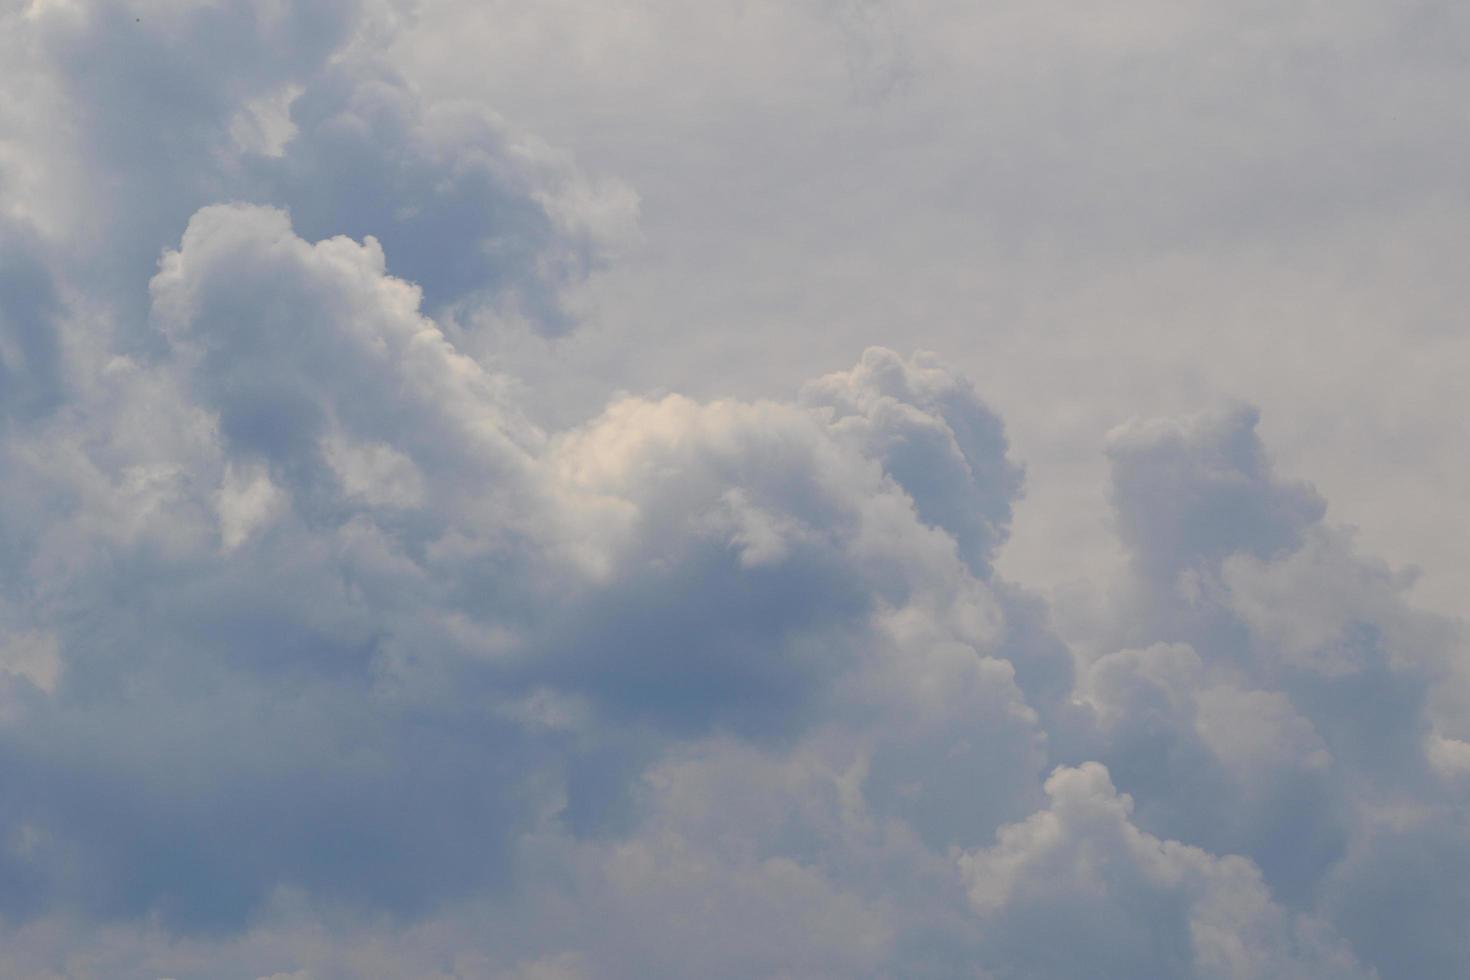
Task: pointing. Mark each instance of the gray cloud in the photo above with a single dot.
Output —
(177, 106)
(428, 573)
(31, 381)
(1130, 904)
(1190, 492)
(382, 653)
(322, 654)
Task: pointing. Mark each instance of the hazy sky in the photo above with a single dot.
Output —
(806, 489)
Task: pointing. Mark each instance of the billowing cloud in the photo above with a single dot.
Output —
(172, 106)
(1130, 904)
(324, 654)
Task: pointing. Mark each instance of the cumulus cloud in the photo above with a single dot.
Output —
(1190, 492)
(291, 104)
(322, 655)
(1130, 904)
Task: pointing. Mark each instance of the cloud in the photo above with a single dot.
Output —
(1287, 735)
(294, 104)
(942, 445)
(323, 653)
(668, 571)
(1130, 904)
(1189, 492)
(30, 357)
(399, 650)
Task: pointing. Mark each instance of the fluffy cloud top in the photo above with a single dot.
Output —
(322, 656)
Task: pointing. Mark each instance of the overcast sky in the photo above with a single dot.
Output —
(738, 488)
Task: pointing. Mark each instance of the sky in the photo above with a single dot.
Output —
(805, 489)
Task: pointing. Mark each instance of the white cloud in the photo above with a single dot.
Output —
(1130, 904)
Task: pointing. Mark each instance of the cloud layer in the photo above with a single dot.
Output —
(323, 655)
